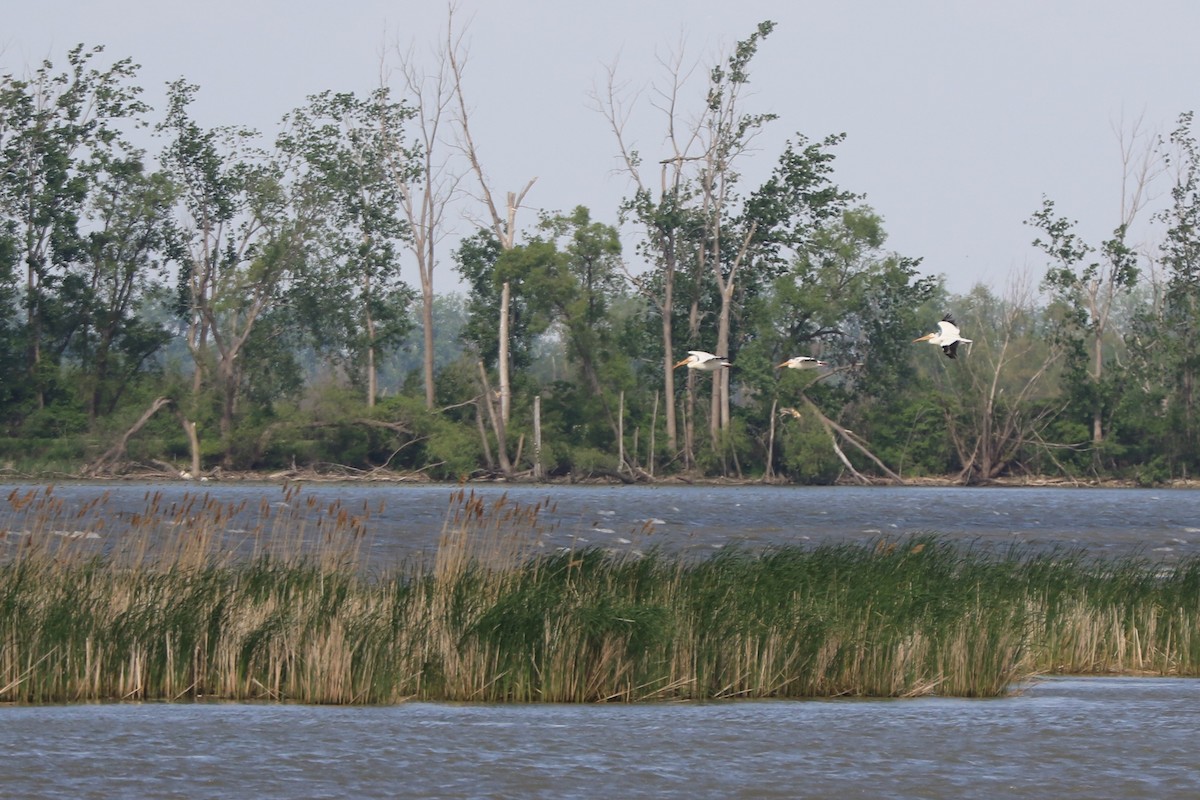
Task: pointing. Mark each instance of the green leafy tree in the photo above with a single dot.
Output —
(848, 301)
(1178, 338)
(475, 261)
(567, 276)
(244, 246)
(126, 255)
(59, 133)
(1085, 290)
(711, 248)
(349, 164)
(726, 132)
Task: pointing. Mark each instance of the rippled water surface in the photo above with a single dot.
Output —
(405, 520)
(1062, 738)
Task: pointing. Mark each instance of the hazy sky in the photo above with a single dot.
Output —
(959, 115)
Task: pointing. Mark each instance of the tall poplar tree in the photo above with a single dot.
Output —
(59, 132)
(348, 163)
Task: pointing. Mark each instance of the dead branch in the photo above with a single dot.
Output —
(829, 430)
(769, 470)
(849, 437)
(497, 424)
(112, 457)
(264, 438)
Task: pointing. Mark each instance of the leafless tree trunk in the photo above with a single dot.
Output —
(849, 437)
(621, 432)
(726, 281)
(425, 199)
(483, 437)
(503, 226)
(505, 388)
(497, 424)
(1092, 285)
(189, 430)
(769, 468)
(725, 136)
(113, 456)
(537, 437)
(200, 288)
(1139, 165)
(653, 428)
(369, 326)
(662, 234)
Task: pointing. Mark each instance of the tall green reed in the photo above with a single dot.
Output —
(198, 599)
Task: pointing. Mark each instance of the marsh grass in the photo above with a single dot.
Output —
(198, 599)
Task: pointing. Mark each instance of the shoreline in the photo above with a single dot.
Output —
(525, 479)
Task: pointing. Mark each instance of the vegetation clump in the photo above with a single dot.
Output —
(188, 601)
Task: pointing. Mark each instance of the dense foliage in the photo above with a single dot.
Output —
(228, 301)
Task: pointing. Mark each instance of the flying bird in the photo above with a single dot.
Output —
(801, 362)
(706, 362)
(947, 337)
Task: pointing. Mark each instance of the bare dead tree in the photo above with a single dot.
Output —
(769, 469)
(497, 423)
(664, 237)
(837, 434)
(836, 431)
(503, 225)
(684, 222)
(115, 454)
(1000, 388)
(426, 198)
(1093, 284)
(112, 459)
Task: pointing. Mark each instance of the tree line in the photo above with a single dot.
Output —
(227, 301)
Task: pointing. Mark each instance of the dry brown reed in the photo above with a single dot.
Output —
(197, 599)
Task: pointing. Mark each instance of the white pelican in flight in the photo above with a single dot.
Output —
(802, 362)
(947, 337)
(706, 362)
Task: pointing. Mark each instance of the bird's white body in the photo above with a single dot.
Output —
(947, 337)
(802, 362)
(706, 362)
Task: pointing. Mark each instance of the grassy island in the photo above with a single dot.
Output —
(174, 604)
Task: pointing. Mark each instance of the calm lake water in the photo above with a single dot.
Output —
(1059, 738)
